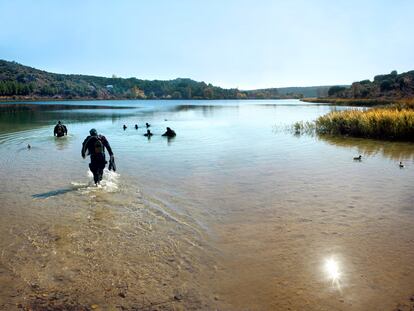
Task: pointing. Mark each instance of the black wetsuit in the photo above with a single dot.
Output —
(60, 130)
(95, 145)
(169, 133)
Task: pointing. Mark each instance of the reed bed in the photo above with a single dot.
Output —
(393, 123)
(365, 102)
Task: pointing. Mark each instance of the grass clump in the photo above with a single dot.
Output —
(393, 123)
(303, 127)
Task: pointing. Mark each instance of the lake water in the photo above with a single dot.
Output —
(235, 213)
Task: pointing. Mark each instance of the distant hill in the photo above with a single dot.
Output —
(19, 80)
(22, 82)
(294, 92)
(388, 86)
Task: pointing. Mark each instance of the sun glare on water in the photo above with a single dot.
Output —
(332, 269)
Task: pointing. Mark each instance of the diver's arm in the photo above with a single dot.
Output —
(65, 129)
(107, 146)
(84, 147)
(55, 131)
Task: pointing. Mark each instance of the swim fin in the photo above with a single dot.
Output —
(112, 165)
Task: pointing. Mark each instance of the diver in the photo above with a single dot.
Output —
(169, 133)
(148, 134)
(136, 126)
(147, 125)
(94, 145)
(60, 130)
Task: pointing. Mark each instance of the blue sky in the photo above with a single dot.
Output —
(230, 43)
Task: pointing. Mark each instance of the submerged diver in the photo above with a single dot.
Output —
(169, 133)
(60, 130)
(124, 127)
(95, 146)
(147, 125)
(136, 126)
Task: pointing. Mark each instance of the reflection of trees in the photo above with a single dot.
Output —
(392, 150)
(207, 110)
(29, 119)
(46, 107)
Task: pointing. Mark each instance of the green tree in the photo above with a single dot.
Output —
(176, 95)
(335, 90)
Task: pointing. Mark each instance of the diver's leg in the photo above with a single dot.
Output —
(101, 166)
(100, 174)
(94, 171)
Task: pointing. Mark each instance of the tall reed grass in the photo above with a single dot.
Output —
(365, 102)
(393, 123)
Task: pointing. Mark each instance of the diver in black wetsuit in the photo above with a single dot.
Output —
(169, 133)
(148, 134)
(60, 130)
(95, 145)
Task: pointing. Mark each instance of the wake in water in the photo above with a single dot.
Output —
(109, 183)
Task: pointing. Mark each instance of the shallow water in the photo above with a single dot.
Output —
(235, 213)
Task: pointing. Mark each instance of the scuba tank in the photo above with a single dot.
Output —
(98, 146)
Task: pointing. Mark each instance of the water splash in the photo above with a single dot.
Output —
(109, 183)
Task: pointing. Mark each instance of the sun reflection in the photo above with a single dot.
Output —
(333, 271)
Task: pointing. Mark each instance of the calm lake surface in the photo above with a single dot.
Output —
(235, 213)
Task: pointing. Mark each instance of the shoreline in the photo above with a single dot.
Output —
(365, 102)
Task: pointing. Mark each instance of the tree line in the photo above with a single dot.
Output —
(20, 80)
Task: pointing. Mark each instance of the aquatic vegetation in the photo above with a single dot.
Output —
(350, 101)
(392, 120)
(364, 102)
(304, 127)
(392, 123)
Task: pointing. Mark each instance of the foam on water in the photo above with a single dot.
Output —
(109, 183)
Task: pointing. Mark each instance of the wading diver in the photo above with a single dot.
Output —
(60, 130)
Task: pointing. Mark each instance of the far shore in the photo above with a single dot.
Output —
(367, 102)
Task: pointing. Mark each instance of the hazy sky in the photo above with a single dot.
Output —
(230, 43)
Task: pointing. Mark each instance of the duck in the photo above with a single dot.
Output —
(401, 165)
(358, 158)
